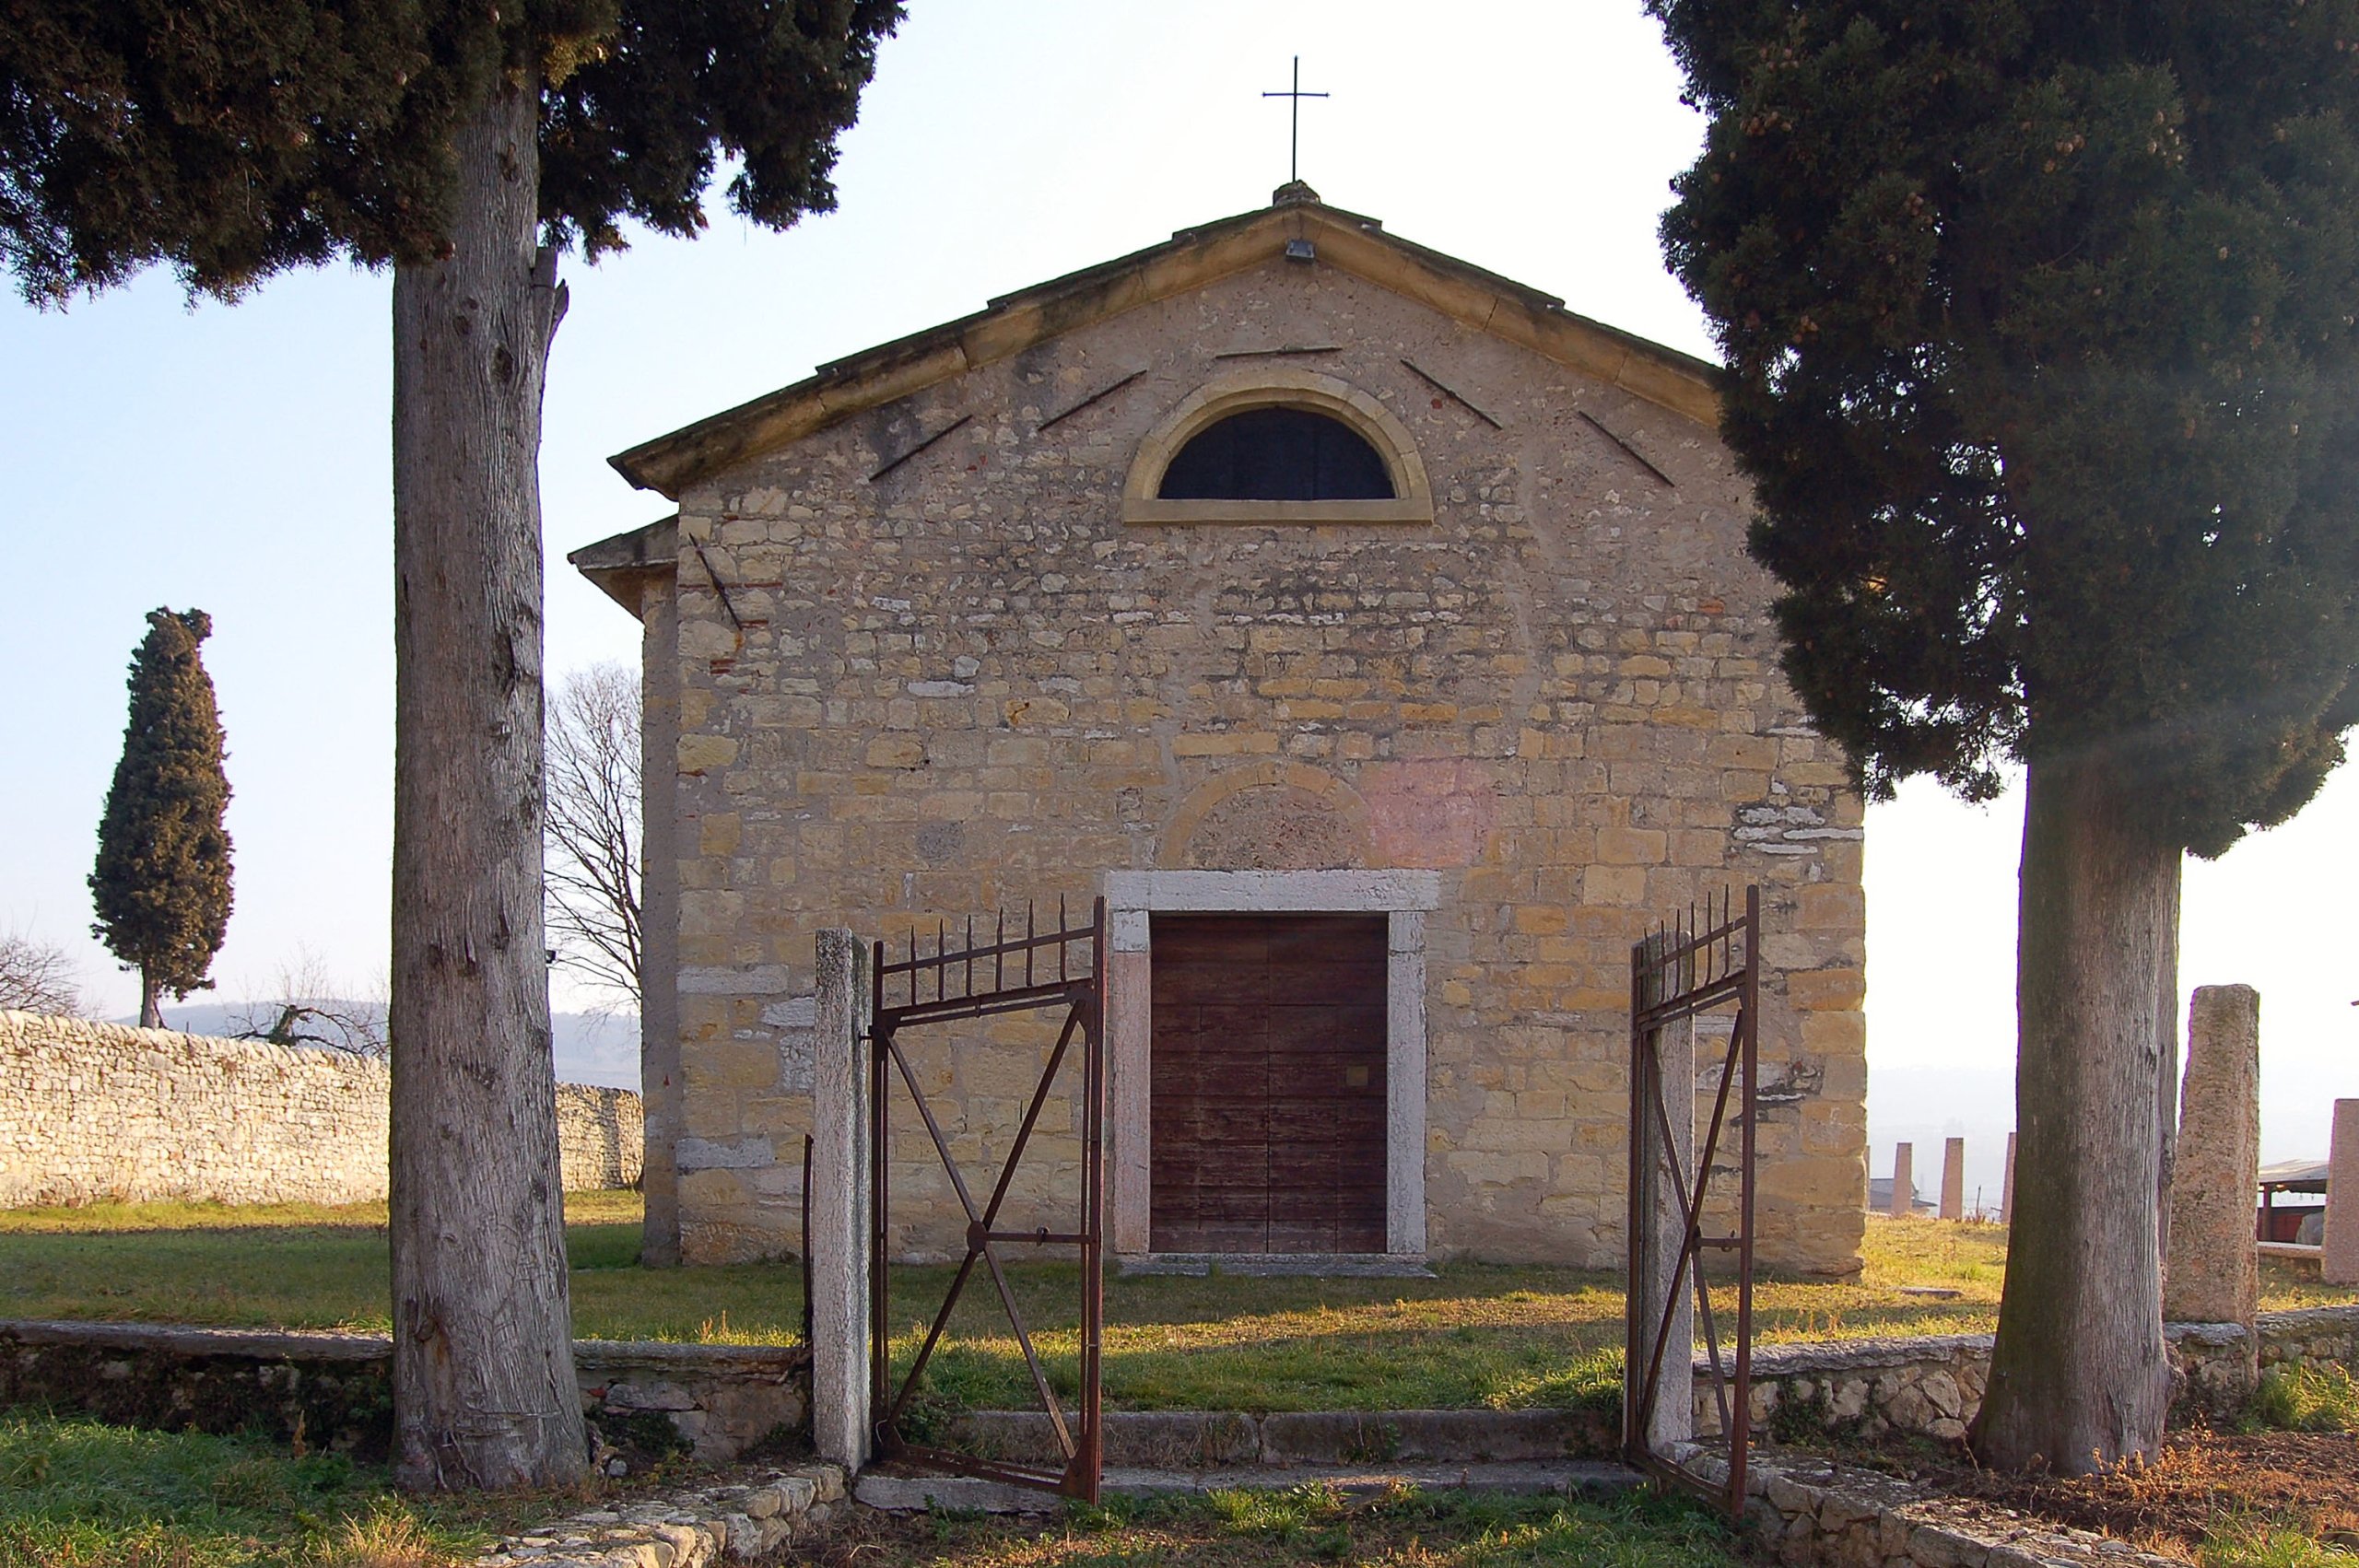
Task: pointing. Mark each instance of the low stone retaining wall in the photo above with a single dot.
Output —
(95, 1112)
(1931, 1384)
(646, 1399)
(2315, 1336)
(1809, 1515)
(742, 1519)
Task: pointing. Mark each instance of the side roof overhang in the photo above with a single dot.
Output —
(1189, 259)
(622, 565)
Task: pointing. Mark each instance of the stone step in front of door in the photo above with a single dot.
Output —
(1277, 1265)
(1209, 1440)
(903, 1491)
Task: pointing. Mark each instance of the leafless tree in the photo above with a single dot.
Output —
(36, 976)
(594, 822)
(308, 1008)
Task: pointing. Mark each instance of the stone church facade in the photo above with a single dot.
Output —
(941, 631)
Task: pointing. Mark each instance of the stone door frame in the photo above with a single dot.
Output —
(1132, 898)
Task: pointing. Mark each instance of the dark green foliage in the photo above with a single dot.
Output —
(162, 881)
(239, 139)
(2039, 318)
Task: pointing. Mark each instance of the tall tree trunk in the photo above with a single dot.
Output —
(2078, 1377)
(151, 1004)
(483, 1391)
(2167, 1072)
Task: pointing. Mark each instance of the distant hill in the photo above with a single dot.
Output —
(589, 1047)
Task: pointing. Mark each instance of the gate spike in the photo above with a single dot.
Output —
(971, 953)
(1028, 941)
(941, 947)
(999, 975)
(1061, 933)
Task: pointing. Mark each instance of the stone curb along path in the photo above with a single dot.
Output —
(737, 1520)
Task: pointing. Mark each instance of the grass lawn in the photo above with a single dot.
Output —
(304, 1266)
(76, 1494)
(1478, 1335)
(1308, 1525)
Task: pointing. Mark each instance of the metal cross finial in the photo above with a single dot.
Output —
(1294, 139)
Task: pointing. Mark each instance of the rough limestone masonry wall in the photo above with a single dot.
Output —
(963, 682)
(92, 1112)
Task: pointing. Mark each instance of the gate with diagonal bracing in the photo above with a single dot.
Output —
(1679, 976)
(1039, 971)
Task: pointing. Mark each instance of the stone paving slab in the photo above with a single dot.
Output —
(914, 1494)
(1202, 1440)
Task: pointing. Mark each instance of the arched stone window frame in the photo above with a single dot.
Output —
(1412, 498)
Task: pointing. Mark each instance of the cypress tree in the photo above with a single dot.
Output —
(467, 144)
(2041, 325)
(162, 881)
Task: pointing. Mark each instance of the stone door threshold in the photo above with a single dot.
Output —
(1275, 1265)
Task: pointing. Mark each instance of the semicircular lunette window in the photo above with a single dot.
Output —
(1277, 454)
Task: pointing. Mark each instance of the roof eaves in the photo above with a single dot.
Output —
(1190, 259)
(892, 370)
(620, 565)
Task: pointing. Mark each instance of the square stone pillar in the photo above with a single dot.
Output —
(1663, 1229)
(839, 1202)
(2213, 1273)
(1904, 1181)
(2340, 1262)
(1953, 1179)
(660, 1090)
(2007, 1186)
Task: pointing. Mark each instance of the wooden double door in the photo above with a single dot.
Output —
(1267, 1117)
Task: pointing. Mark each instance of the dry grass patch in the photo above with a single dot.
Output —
(2221, 1500)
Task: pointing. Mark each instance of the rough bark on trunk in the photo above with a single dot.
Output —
(483, 1391)
(2166, 1077)
(2078, 1377)
(151, 1004)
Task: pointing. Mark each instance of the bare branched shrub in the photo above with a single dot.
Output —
(37, 976)
(594, 826)
(307, 1008)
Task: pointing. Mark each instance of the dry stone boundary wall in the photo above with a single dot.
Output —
(95, 1112)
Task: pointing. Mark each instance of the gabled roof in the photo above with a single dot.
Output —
(1189, 259)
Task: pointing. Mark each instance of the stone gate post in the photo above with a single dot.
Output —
(2213, 1272)
(2339, 1259)
(1662, 1232)
(841, 1419)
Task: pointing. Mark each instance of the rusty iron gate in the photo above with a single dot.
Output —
(1710, 962)
(1001, 975)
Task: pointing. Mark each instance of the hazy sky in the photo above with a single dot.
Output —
(235, 459)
